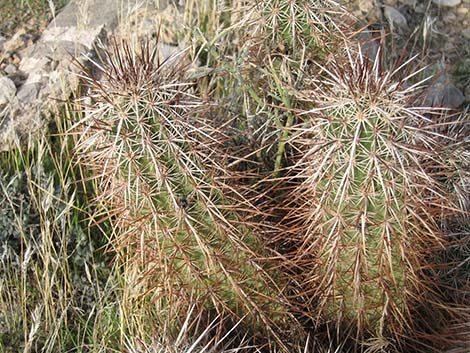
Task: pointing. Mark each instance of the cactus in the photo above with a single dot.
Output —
(281, 39)
(154, 158)
(298, 24)
(366, 201)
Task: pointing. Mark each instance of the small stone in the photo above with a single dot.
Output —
(28, 92)
(366, 5)
(2, 42)
(395, 17)
(449, 46)
(167, 50)
(467, 93)
(369, 44)
(449, 17)
(7, 90)
(15, 42)
(10, 69)
(462, 11)
(443, 93)
(410, 3)
(421, 8)
(447, 3)
(466, 33)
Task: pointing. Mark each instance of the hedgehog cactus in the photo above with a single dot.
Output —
(366, 204)
(153, 156)
(297, 24)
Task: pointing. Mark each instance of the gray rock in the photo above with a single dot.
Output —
(7, 90)
(443, 93)
(411, 3)
(28, 92)
(167, 50)
(395, 18)
(2, 42)
(49, 67)
(467, 93)
(10, 69)
(447, 3)
(369, 44)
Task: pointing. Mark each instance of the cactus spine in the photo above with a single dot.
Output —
(367, 204)
(153, 155)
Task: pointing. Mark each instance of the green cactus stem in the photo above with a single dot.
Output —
(154, 158)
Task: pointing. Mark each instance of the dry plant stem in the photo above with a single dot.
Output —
(154, 157)
(367, 204)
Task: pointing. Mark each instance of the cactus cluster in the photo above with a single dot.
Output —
(348, 232)
(297, 24)
(154, 159)
(365, 210)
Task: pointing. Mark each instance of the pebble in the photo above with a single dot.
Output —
(467, 93)
(449, 46)
(28, 92)
(443, 93)
(10, 69)
(447, 3)
(395, 17)
(366, 5)
(7, 90)
(449, 17)
(462, 11)
(411, 3)
(466, 33)
(421, 8)
(2, 42)
(15, 42)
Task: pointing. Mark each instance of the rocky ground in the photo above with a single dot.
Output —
(21, 25)
(439, 30)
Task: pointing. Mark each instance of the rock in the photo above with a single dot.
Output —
(7, 90)
(167, 50)
(15, 42)
(447, 3)
(395, 18)
(28, 91)
(411, 3)
(370, 9)
(449, 17)
(2, 42)
(443, 93)
(46, 68)
(369, 44)
(467, 93)
(466, 33)
(462, 11)
(420, 8)
(10, 69)
(366, 5)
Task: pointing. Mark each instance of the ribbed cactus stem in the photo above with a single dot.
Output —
(154, 157)
(360, 207)
(299, 23)
(365, 210)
